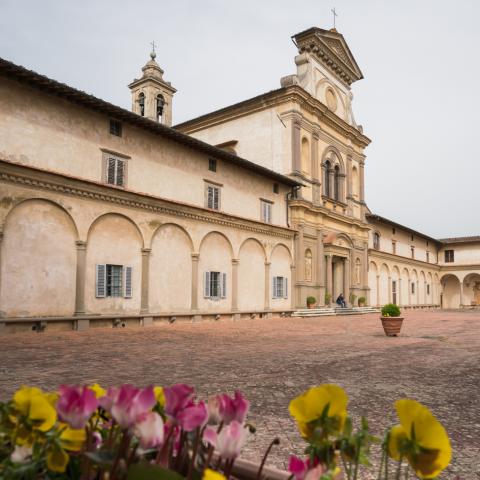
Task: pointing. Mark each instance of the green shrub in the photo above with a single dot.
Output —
(362, 300)
(390, 310)
(311, 300)
(352, 298)
(328, 297)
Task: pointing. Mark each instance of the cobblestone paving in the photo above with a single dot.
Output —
(436, 360)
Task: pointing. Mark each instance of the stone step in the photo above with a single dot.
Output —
(333, 311)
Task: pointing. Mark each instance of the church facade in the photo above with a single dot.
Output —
(109, 216)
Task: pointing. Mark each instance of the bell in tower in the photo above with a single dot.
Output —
(151, 94)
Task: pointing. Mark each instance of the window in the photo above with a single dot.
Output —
(160, 105)
(428, 289)
(327, 178)
(116, 128)
(428, 257)
(280, 287)
(212, 197)
(336, 183)
(413, 287)
(115, 170)
(394, 248)
(412, 238)
(412, 250)
(212, 164)
(215, 285)
(113, 281)
(266, 211)
(275, 188)
(449, 256)
(141, 104)
(376, 241)
(393, 231)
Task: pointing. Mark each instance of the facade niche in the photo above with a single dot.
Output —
(308, 265)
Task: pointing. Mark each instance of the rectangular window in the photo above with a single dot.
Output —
(275, 188)
(212, 164)
(413, 287)
(266, 211)
(212, 197)
(280, 287)
(113, 281)
(215, 286)
(116, 128)
(449, 256)
(412, 250)
(428, 257)
(394, 248)
(428, 289)
(115, 171)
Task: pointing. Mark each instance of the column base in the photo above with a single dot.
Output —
(82, 324)
(147, 321)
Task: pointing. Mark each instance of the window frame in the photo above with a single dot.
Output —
(212, 165)
(108, 155)
(215, 187)
(113, 281)
(215, 285)
(449, 256)
(266, 206)
(376, 240)
(279, 287)
(115, 127)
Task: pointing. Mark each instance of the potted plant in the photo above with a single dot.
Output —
(311, 301)
(391, 320)
(362, 301)
(328, 298)
(353, 297)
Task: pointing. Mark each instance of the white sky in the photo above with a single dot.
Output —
(419, 101)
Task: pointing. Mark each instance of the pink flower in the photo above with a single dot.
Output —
(229, 442)
(149, 429)
(75, 405)
(235, 408)
(193, 416)
(302, 471)
(213, 408)
(177, 397)
(127, 403)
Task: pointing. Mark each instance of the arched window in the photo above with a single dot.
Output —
(305, 155)
(326, 182)
(336, 183)
(160, 105)
(141, 103)
(308, 265)
(376, 241)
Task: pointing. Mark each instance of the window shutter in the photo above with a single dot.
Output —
(216, 192)
(101, 281)
(206, 292)
(285, 287)
(210, 197)
(120, 172)
(224, 285)
(128, 282)
(111, 171)
(274, 283)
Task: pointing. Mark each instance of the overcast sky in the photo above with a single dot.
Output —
(419, 101)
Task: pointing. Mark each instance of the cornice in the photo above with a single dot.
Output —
(399, 258)
(39, 179)
(452, 268)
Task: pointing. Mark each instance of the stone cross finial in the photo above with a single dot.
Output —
(153, 54)
(335, 15)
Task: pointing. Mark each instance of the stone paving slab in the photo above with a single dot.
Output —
(436, 360)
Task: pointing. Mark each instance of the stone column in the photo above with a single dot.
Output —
(316, 171)
(389, 289)
(144, 303)
(267, 286)
(362, 188)
(349, 176)
(378, 290)
(296, 147)
(194, 299)
(400, 292)
(235, 262)
(418, 293)
(320, 270)
(409, 292)
(425, 293)
(330, 275)
(461, 294)
(332, 183)
(80, 277)
(346, 280)
(365, 265)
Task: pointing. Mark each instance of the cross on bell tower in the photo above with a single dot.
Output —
(151, 94)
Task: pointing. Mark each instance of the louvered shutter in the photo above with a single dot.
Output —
(101, 281)
(120, 173)
(274, 283)
(224, 285)
(210, 197)
(111, 171)
(285, 286)
(128, 282)
(206, 285)
(216, 192)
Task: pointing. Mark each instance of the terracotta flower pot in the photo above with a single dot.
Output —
(311, 305)
(391, 325)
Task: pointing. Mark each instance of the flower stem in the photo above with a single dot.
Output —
(275, 441)
(194, 454)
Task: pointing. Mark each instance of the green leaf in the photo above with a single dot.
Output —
(103, 457)
(145, 471)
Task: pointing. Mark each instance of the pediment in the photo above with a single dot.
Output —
(330, 49)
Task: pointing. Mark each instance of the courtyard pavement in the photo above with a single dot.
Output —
(436, 360)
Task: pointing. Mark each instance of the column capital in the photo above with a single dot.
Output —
(81, 244)
(235, 261)
(267, 264)
(195, 256)
(146, 251)
(316, 134)
(292, 267)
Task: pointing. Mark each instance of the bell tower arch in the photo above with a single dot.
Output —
(151, 94)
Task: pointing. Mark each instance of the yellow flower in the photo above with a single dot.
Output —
(159, 395)
(72, 439)
(98, 390)
(210, 474)
(326, 403)
(420, 438)
(57, 460)
(23, 396)
(42, 413)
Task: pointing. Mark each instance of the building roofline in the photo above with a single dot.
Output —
(470, 239)
(41, 82)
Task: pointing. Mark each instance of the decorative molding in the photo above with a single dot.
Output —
(401, 259)
(39, 179)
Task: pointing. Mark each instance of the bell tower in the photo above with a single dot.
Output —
(151, 94)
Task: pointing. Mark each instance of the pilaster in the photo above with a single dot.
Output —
(144, 301)
(194, 294)
(80, 277)
(296, 147)
(235, 263)
(267, 286)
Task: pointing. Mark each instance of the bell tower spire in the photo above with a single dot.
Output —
(151, 94)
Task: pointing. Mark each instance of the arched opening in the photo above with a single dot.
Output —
(308, 265)
(376, 241)
(326, 181)
(471, 290)
(141, 104)
(450, 291)
(336, 183)
(305, 155)
(251, 276)
(160, 104)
